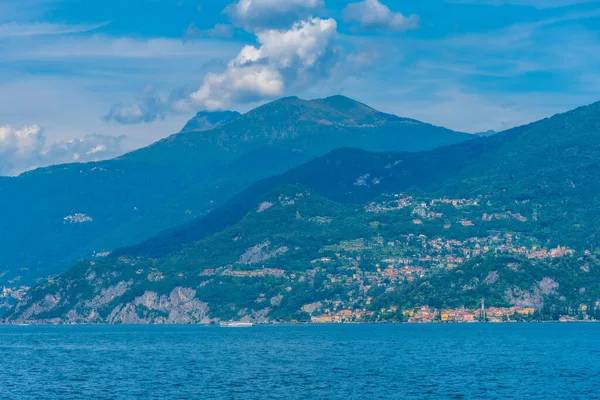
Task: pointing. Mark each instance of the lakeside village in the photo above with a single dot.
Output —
(390, 272)
(356, 307)
(426, 314)
(415, 256)
(392, 262)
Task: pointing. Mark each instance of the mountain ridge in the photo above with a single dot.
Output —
(384, 236)
(98, 207)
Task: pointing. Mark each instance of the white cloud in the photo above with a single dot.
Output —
(25, 148)
(371, 14)
(93, 147)
(68, 105)
(252, 14)
(149, 108)
(305, 43)
(15, 29)
(20, 142)
(238, 84)
(263, 72)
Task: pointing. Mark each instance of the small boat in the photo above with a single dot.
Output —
(236, 324)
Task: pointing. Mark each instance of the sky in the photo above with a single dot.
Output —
(83, 80)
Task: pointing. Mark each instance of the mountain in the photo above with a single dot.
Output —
(552, 162)
(57, 215)
(510, 219)
(205, 120)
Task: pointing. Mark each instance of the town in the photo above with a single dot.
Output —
(426, 314)
(360, 270)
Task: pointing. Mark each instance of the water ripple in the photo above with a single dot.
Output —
(513, 361)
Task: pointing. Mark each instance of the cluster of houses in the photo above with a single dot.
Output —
(420, 207)
(426, 314)
(78, 218)
(430, 209)
(13, 293)
(8, 296)
(423, 252)
(490, 314)
(402, 273)
(410, 257)
(342, 316)
(556, 252)
(256, 273)
(438, 252)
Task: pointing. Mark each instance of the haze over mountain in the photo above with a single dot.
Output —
(511, 218)
(56, 215)
(486, 133)
(204, 120)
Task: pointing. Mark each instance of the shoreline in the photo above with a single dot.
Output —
(256, 324)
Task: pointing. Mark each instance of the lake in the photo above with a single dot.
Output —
(495, 361)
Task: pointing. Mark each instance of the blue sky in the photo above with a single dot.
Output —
(89, 79)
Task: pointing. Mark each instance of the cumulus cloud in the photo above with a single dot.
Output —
(282, 57)
(148, 108)
(238, 84)
(20, 141)
(25, 148)
(371, 14)
(253, 14)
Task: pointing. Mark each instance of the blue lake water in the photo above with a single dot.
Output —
(529, 361)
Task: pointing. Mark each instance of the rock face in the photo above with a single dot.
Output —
(48, 303)
(312, 307)
(109, 294)
(260, 253)
(532, 298)
(178, 307)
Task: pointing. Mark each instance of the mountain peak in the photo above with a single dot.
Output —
(341, 101)
(288, 99)
(334, 110)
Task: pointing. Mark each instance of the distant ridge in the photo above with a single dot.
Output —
(96, 208)
(372, 236)
(554, 160)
